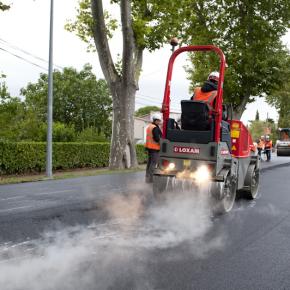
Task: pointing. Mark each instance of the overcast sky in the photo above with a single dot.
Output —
(26, 27)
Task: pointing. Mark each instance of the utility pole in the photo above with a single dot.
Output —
(50, 98)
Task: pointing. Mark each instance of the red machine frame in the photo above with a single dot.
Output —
(218, 105)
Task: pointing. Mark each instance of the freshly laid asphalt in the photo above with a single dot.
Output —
(248, 248)
(27, 209)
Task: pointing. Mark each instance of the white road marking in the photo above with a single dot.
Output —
(14, 208)
(53, 192)
(36, 193)
(12, 197)
(8, 246)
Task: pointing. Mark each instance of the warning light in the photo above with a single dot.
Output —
(235, 125)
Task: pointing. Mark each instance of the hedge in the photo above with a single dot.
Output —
(26, 157)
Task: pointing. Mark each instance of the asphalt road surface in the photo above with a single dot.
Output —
(102, 233)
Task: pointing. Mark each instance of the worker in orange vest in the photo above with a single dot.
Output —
(261, 145)
(268, 147)
(207, 93)
(153, 135)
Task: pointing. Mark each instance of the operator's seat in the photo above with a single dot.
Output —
(197, 125)
(195, 116)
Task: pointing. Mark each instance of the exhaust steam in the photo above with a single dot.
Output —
(118, 253)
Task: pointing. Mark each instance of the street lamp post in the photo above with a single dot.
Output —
(50, 98)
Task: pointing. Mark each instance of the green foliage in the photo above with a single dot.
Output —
(83, 26)
(85, 31)
(154, 22)
(141, 154)
(146, 110)
(80, 100)
(284, 121)
(90, 135)
(257, 129)
(30, 129)
(19, 124)
(11, 114)
(3, 6)
(249, 33)
(62, 133)
(3, 89)
(25, 157)
(280, 97)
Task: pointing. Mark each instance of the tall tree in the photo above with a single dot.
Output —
(280, 99)
(258, 128)
(19, 122)
(257, 117)
(11, 112)
(240, 28)
(146, 110)
(249, 32)
(79, 99)
(144, 25)
(280, 96)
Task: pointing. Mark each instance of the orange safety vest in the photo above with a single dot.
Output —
(268, 144)
(150, 142)
(207, 97)
(261, 144)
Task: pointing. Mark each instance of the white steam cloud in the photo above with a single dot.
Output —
(112, 255)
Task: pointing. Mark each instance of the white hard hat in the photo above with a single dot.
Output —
(262, 137)
(214, 76)
(156, 116)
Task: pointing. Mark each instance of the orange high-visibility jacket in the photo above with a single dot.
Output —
(261, 144)
(268, 144)
(150, 142)
(207, 97)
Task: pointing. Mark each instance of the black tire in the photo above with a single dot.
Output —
(223, 196)
(251, 185)
(278, 153)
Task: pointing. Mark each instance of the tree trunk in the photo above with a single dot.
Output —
(238, 111)
(123, 153)
(123, 87)
(237, 115)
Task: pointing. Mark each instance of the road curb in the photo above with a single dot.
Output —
(275, 166)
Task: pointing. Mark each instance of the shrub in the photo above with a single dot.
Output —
(26, 157)
(91, 135)
(63, 133)
(141, 154)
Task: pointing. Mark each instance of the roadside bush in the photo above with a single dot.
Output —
(62, 132)
(90, 135)
(27, 157)
(141, 154)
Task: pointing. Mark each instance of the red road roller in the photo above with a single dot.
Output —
(208, 148)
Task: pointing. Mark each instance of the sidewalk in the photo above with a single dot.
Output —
(275, 162)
